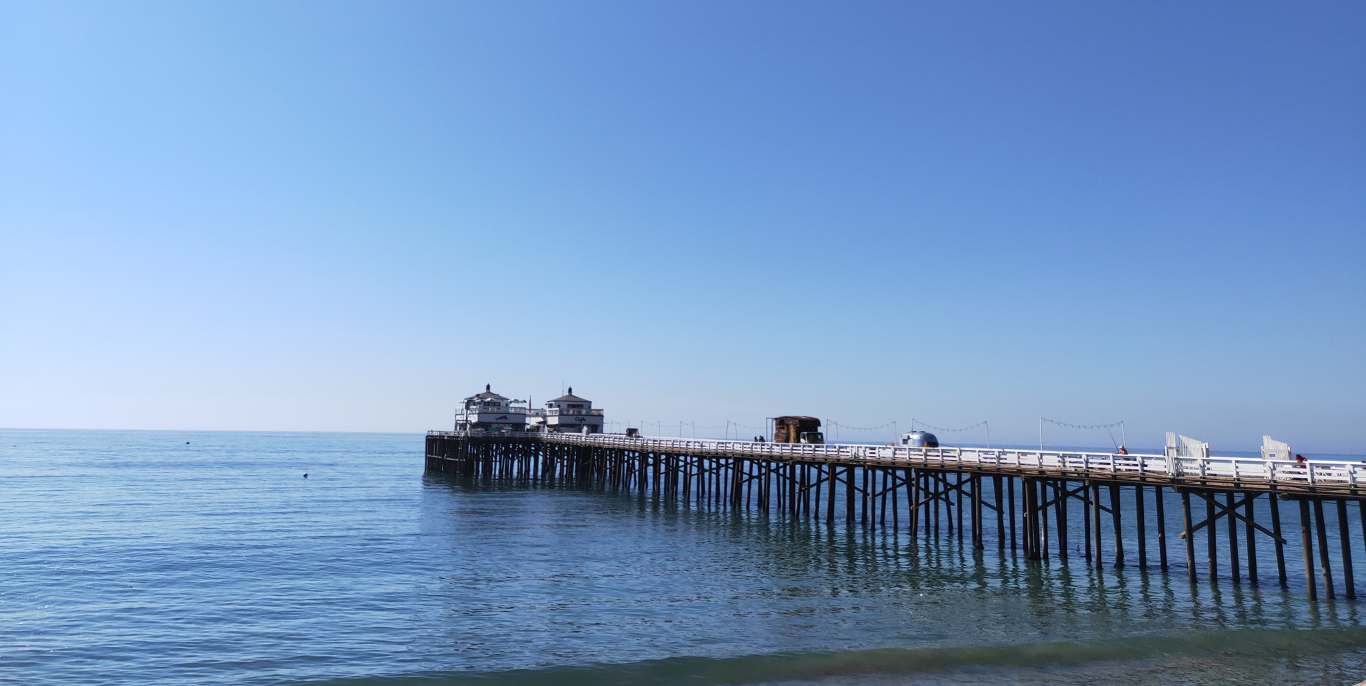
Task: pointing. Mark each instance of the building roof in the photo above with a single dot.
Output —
(568, 398)
(488, 394)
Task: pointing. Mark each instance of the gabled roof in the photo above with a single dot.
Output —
(488, 394)
(568, 398)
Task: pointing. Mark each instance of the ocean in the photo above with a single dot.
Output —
(163, 557)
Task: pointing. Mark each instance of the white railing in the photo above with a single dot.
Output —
(485, 410)
(1311, 473)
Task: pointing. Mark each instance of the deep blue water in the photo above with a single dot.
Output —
(133, 557)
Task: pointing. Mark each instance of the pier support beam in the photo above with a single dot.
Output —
(1118, 524)
(1010, 495)
(1060, 511)
(1274, 502)
(1232, 540)
(1250, 513)
(1344, 534)
(1188, 534)
(1161, 529)
(1307, 537)
(1142, 525)
(1211, 537)
(1095, 515)
(998, 487)
(1323, 551)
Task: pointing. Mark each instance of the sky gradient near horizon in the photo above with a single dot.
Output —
(348, 216)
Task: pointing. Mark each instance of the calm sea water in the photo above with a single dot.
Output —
(136, 557)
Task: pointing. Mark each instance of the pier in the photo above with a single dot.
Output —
(1010, 498)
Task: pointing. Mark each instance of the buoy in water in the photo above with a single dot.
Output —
(305, 475)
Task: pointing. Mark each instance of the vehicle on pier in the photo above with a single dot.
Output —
(919, 439)
(797, 430)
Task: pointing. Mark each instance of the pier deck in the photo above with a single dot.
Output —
(936, 486)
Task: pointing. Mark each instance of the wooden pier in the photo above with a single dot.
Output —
(964, 491)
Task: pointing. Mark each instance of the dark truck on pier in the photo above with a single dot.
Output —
(797, 430)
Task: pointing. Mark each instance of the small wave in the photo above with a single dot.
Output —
(788, 667)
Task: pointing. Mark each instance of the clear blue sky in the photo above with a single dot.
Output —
(348, 216)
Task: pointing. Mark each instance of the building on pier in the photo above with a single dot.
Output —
(567, 414)
(489, 411)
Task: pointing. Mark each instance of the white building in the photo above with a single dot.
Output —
(568, 414)
(489, 411)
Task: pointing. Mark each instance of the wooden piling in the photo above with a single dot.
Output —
(1118, 522)
(977, 534)
(1030, 523)
(1307, 538)
(1095, 511)
(958, 479)
(997, 488)
(1060, 509)
(1324, 565)
(1233, 540)
(913, 497)
(1188, 534)
(863, 502)
(1344, 533)
(1010, 496)
(1249, 512)
(1140, 522)
(1211, 537)
(1086, 521)
(1279, 540)
(830, 494)
(849, 495)
(1161, 528)
(1042, 517)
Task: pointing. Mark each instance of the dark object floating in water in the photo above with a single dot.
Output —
(187, 442)
(305, 475)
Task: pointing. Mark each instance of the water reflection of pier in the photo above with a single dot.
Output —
(1019, 498)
